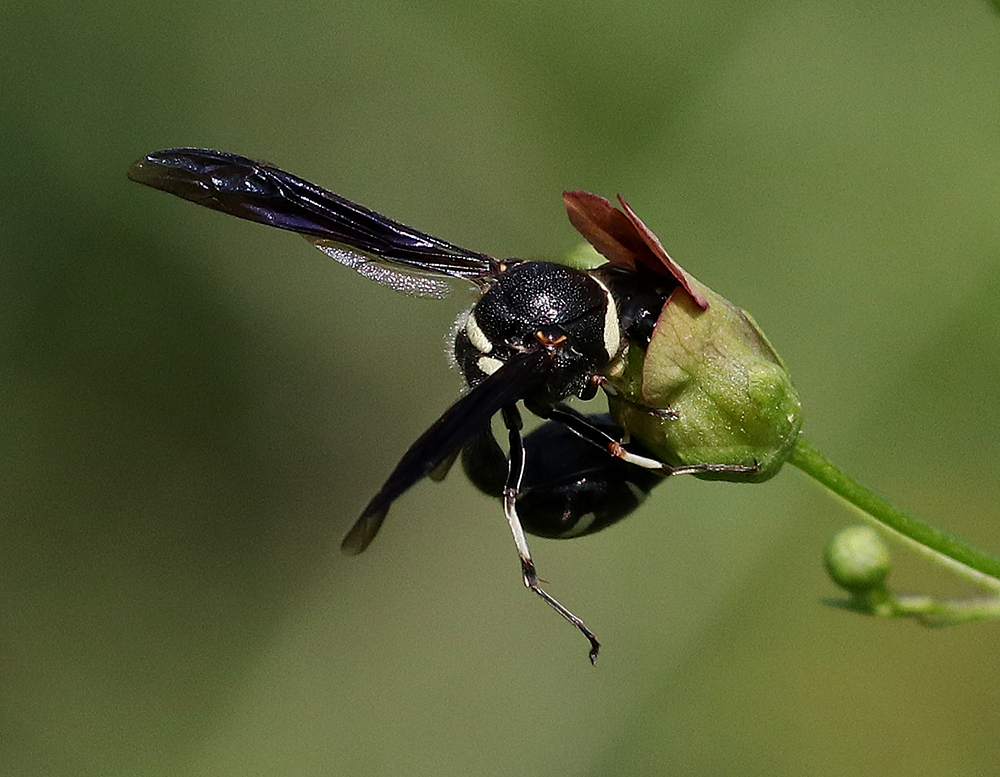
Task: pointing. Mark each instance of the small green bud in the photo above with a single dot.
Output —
(857, 559)
(731, 396)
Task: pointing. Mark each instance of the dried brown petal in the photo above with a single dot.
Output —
(605, 227)
(623, 239)
(657, 249)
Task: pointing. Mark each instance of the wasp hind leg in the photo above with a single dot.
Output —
(515, 472)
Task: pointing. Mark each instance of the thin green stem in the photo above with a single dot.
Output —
(946, 549)
(935, 613)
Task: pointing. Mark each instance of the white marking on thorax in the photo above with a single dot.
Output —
(612, 327)
(488, 364)
(476, 335)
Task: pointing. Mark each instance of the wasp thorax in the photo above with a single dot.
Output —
(540, 305)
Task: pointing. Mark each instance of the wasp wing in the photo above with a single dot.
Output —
(256, 191)
(460, 423)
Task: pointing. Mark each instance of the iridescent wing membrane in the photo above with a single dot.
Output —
(384, 250)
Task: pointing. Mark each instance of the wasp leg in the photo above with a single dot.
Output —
(515, 471)
(657, 412)
(582, 425)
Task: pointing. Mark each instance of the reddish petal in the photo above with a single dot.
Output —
(622, 238)
(654, 244)
(605, 227)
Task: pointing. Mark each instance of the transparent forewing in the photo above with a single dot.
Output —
(259, 192)
(370, 267)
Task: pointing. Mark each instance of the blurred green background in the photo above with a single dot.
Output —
(194, 409)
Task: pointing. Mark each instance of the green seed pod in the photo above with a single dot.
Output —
(732, 399)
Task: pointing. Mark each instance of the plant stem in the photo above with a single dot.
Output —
(958, 555)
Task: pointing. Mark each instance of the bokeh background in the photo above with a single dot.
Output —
(194, 409)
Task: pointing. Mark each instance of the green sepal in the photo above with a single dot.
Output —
(731, 396)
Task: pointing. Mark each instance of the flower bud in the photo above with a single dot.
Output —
(732, 399)
(857, 559)
(709, 388)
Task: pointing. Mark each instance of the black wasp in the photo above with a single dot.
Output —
(538, 334)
